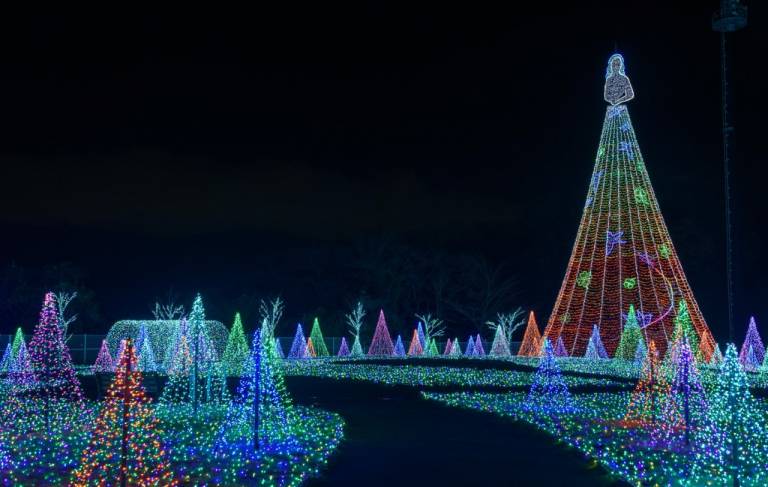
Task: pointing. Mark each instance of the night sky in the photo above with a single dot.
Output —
(192, 149)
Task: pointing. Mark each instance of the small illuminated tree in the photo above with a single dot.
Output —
(177, 393)
(147, 362)
(455, 348)
(20, 375)
(640, 353)
(203, 353)
(355, 322)
(448, 347)
(717, 357)
(531, 344)
(318, 341)
(549, 393)
(596, 343)
(399, 350)
(5, 363)
(735, 442)
(684, 329)
(470, 350)
(381, 344)
(56, 381)
(630, 336)
(278, 351)
(18, 341)
(750, 362)
(478, 350)
(310, 352)
(415, 348)
(509, 323)
(560, 352)
(431, 350)
(645, 404)
(499, 347)
(216, 392)
(343, 348)
(299, 345)
(126, 445)
(261, 416)
(685, 405)
(236, 350)
(104, 362)
(752, 340)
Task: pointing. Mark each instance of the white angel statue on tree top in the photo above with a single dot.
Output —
(618, 89)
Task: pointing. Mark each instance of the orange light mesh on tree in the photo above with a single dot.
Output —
(531, 345)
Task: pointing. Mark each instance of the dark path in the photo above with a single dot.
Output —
(393, 437)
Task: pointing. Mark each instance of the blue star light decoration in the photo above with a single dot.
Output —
(612, 239)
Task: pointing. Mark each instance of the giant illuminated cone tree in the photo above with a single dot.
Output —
(623, 253)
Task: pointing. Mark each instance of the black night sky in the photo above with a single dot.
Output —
(255, 153)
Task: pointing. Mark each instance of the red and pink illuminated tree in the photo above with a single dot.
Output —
(381, 344)
(415, 349)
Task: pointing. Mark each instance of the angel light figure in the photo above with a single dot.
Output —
(618, 89)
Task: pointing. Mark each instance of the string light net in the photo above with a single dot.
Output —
(163, 336)
(623, 253)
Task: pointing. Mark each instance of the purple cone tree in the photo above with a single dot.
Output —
(381, 344)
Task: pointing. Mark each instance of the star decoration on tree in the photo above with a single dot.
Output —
(613, 239)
